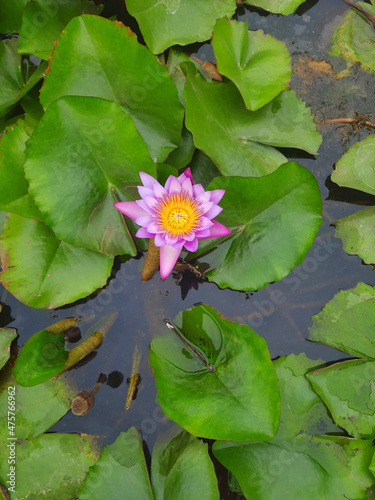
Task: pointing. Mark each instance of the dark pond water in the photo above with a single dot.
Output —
(282, 312)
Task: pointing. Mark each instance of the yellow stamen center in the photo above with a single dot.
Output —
(178, 214)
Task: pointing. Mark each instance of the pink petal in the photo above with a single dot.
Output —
(216, 230)
(216, 195)
(144, 220)
(144, 205)
(189, 176)
(170, 240)
(168, 182)
(168, 258)
(159, 191)
(130, 208)
(175, 186)
(145, 192)
(151, 201)
(203, 197)
(190, 236)
(143, 233)
(205, 223)
(198, 189)
(187, 187)
(154, 228)
(159, 240)
(213, 212)
(204, 233)
(147, 180)
(205, 207)
(191, 246)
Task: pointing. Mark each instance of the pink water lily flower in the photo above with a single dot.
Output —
(176, 215)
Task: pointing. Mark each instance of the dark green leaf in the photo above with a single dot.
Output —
(348, 391)
(258, 64)
(273, 219)
(51, 465)
(181, 468)
(42, 357)
(94, 157)
(121, 470)
(11, 15)
(236, 398)
(169, 22)
(14, 195)
(346, 322)
(295, 464)
(6, 337)
(42, 23)
(117, 68)
(239, 140)
(43, 271)
(276, 6)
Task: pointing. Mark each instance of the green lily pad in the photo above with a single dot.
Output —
(121, 468)
(258, 64)
(36, 408)
(182, 155)
(357, 233)
(7, 335)
(169, 22)
(181, 468)
(355, 39)
(43, 22)
(273, 219)
(235, 394)
(117, 68)
(348, 390)
(297, 464)
(94, 158)
(346, 322)
(284, 7)
(11, 15)
(14, 195)
(12, 84)
(50, 466)
(356, 168)
(43, 271)
(239, 140)
(42, 357)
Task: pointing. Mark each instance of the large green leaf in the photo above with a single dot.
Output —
(42, 357)
(43, 271)
(273, 219)
(36, 408)
(116, 68)
(297, 464)
(348, 390)
(14, 195)
(239, 140)
(12, 84)
(11, 15)
(356, 168)
(357, 233)
(7, 335)
(94, 157)
(258, 64)
(235, 396)
(181, 468)
(168, 22)
(346, 322)
(50, 466)
(276, 6)
(120, 471)
(355, 39)
(42, 23)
